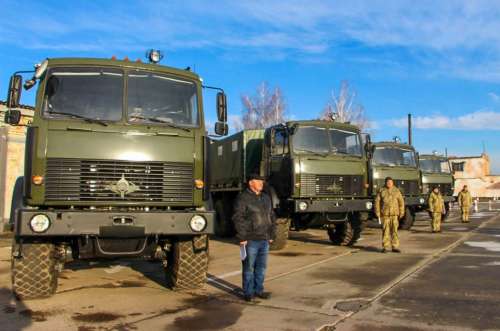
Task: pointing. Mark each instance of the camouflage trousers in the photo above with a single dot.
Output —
(436, 222)
(390, 237)
(465, 214)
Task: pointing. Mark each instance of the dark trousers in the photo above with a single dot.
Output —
(254, 266)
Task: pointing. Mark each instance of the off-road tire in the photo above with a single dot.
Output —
(187, 264)
(447, 211)
(407, 222)
(34, 275)
(223, 226)
(346, 233)
(282, 229)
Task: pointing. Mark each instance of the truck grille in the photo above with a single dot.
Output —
(407, 187)
(102, 180)
(330, 185)
(445, 189)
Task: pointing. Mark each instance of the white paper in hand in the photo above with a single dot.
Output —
(243, 252)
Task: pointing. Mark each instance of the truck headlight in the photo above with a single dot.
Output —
(369, 205)
(39, 223)
(302, 205)
(422, 201)
(198, 223)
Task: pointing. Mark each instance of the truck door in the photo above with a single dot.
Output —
(280, 174)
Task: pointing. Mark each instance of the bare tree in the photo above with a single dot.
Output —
(343, 107)
(265, 108)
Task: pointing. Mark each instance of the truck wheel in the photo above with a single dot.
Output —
(346, 233)
(447, 210)
(282, 228)
(34, 275)
(187, 263)
(222, 222)
(407, 222)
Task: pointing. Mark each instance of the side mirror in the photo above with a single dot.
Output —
(12, 116)
(221, 107)
(14, 93)
(221, 128)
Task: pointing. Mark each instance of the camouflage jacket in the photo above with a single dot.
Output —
(389, 202)
(464, 199)
(436, 203)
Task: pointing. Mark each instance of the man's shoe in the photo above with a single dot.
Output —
(383, 250)
(264, 295)
(396, 250)
(249, 298)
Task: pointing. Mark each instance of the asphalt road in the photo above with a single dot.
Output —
(448, 281)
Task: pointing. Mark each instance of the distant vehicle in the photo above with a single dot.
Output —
(316, 175)
(398, 161)
(436, 171)
(115, 166)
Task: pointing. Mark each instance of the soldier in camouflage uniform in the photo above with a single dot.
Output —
(436, 207)
(465, 201)
(389, 208)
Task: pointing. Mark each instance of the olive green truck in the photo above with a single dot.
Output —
(436, 172)
(316, 176)
(115, 166)
(398, 161)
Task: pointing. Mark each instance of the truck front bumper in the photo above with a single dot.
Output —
(113, 223)
(332, 206)
(415, 201)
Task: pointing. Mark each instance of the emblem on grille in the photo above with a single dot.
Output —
(334, 188)
(122, 187)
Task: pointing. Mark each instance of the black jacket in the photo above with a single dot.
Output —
(254, 217)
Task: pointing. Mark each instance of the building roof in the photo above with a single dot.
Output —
(4, 103)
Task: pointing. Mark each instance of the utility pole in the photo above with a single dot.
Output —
(409, 130)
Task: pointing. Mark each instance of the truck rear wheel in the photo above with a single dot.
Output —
(223, 226)
(34, 275)
(447, 210)
(407, 222)
(346, 233)
(187, 263)
(282, 228)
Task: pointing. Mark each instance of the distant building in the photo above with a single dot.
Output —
(12, 141)
(474, 171)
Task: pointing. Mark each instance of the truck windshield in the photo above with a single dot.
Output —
(394, 156)
(92, 93)
(312, 139)
(435, 166)
(159, 98)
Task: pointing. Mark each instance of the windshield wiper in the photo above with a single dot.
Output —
(312, 152)
(157, 120)
(86, 119)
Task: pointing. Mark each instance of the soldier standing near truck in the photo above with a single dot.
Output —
(255, 225)
(390, 208)
(465, 201)
(436, 207)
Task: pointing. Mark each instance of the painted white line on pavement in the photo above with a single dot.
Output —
(311, 265)
(228, 274)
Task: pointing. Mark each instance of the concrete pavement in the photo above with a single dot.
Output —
(437, 280)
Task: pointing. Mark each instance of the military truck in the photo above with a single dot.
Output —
(115, 166)
(399, 161)
(435, 171)
(316, 176)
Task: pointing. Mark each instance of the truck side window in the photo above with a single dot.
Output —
(280, 143)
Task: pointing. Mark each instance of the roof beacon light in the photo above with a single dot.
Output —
(154, 55)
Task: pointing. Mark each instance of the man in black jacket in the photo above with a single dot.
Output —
(255, 225)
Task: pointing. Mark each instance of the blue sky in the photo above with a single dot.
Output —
(439, 61)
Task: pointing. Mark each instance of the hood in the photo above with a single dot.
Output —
(330, 166)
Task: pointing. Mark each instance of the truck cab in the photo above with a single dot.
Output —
(436, 172)
(115, 166)
(398, 161)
